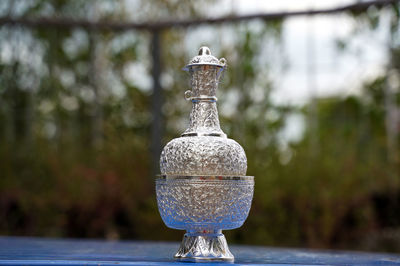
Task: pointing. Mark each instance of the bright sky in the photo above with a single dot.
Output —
(334, 72)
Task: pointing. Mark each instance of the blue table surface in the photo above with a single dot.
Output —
(41, 251)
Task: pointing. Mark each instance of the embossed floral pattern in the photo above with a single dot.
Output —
(204, 155)
(204, 80)
(204, 204)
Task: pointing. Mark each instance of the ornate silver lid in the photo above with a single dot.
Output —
(205, 58)
(203, 149)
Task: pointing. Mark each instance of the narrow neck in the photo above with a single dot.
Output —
(204, 119)
(204, 80)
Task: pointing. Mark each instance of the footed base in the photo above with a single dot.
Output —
(204, 245)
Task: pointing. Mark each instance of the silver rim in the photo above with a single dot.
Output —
(205, 177)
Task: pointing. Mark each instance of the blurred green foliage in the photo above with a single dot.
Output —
(75, 133)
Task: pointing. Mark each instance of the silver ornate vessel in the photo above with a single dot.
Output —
(203, 187)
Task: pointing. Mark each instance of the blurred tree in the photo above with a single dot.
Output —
(75, 125)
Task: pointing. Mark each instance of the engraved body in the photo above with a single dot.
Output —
(204, 155)
(204, 204)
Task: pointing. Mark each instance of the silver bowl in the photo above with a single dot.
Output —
(203, 206)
